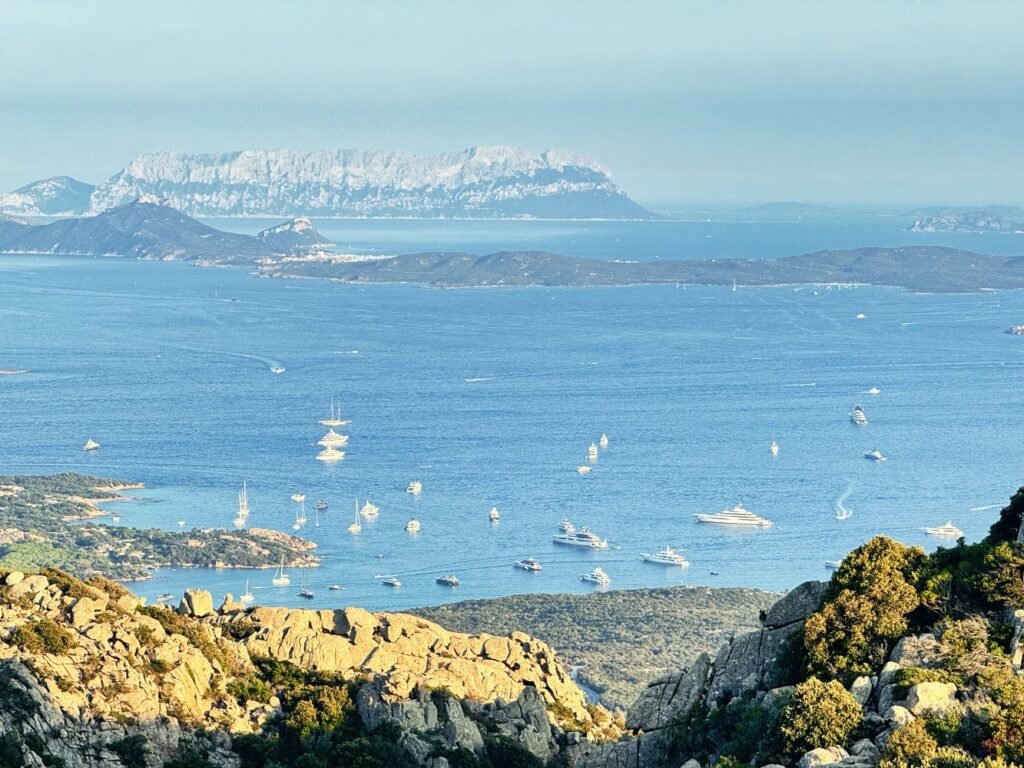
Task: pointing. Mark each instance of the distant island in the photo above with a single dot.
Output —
(994, 218)
(475, 183)
(43, 524)
(149, 228)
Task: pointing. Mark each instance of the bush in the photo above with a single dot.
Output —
(1008, 524)
(42, 636)
(910, 746)
(249, 688)
(505, 753)
(819, 715)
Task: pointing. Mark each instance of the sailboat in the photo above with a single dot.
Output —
(298, 496)
(90, 445)
(592, 453)
(247, 596)
(281, 578)
(304, 590)
(356, 526)
(300, 517)
(494, 515)
(335, 420)
(243, 507)
(316, 515)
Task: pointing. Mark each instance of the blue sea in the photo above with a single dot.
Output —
(490, 398)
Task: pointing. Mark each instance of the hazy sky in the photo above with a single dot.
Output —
(719, 100)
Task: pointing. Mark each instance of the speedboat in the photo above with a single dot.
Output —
(583, 469)
(844, 513)
(335, 420)
(413, 526)
(832, 564)
(584, 537)
(592, 452)
(335, 587)
(391, 581)
(320, 506)
(332, 439)
(735, 516)
(566, 525)
(247, 596)
(528, 564)
(774, 448)
(330, 454)
(166, 596)
(874, 454)
(90, 445)
(415, 488)
(948, 530)
(597, 576)
(369, 510)
(666, 556)
(281, 578)
(874, 391)
(604, 440)
(494, 516)
(298, 497)
(857, 416)
(277, 369)
(181, 523)
(451, 580)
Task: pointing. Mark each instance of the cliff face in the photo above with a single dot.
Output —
(94, 679)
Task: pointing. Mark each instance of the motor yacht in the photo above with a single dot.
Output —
(335, 587)
(592, 452)
(391, 581)
(666, 556)
(494, 515)
(583, 469)
(330, 454)
(413, 526)
(528, 564)
(415, 488)
(603, 441)
(597, 576)
(874, 454)
(332, 439)
(774, 448)
(948, 530)
(832, 564)
(735, 516)
(369, 510)
(584, 537)
(451, 580)
(298, 497)
(874, 391)
(857, 416)
(566, 525)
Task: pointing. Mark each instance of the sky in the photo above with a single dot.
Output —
(686, 102)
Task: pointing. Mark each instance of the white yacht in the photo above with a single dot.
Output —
(90, 445)
(277, 369)
(597, 576)
(369, 510)
(247, 596)
(735, 516)
(415, 488)
(774, 448)
(843, 513)
(584, 537)
(330, 454)
(413, 526)
(494, 515)
(304, 590)
(281, 578)
(332, 439)
(356, 526)
(301, 517)
(592, 452)
(874, 391)
(948, 530)
(603, 441)
(451, 580)
(239, 521)
(832, 565)
(874, 454)
(566, 525)
(583, 469)
(335, 587)
(666, 556)
(857, 415)
(391, 581)
(528, 564)
(298, 497)
(181, 523)
(335, 420)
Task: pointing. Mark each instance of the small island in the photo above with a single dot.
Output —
(45, 524)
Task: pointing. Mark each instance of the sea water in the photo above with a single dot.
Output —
(490, 397)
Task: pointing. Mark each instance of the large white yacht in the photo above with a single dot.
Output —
(330, 454)
(857, 415)
(369, 510)
(281, 578)
(735, 516)
(597, 576)
(566, 525)
(666, 556)
(90, 445)
(584, 537)
(948, 530)
(528, 564)
(592, 452)
(335, 420)
(603, 441)
(874, 454)
(332, 439)
(415, 488)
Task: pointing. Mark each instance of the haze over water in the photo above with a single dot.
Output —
(490, 397)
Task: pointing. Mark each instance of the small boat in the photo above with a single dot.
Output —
(451, 580)
(832, 564)
(281, 578)
(528, 564)
(369, 510)
(413, 526)
(603, 441)
(332, 439)
(239, 521)
(165, 597)
(857, 416)
(316, 517)
(584, 537)
(330, 454)
(391, 581)
(597, 576)
(90, 445)
(320, 506)
(115, 517)
(304, 590)
(592, 452)
(335, 587)
(277, 369)
(181, 523)
(357, 526)
(860, 315)
(666, 556)
(844, 513)
(494, 515)
(415, 488)
(774, 448)
(874, 391)
(247, 596)
(335, 420)
(583, 469)
(735, 516)
(566, 526)
(298, 497)
(714, 573)
(874, 454)
(947, 529)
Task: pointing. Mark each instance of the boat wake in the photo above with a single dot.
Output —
(273, 365)
(843, 512)
(985, 507)
(475, 379)
(809, 384)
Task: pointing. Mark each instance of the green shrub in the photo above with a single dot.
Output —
(910, 746)
(819, 714)
(1008, 524)
(906, 678)
(502, 752)
(42, 636)
(249, 688)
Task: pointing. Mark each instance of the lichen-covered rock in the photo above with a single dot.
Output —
(932, 698)
(796, 605)
(196, 602)
(669, 697)
(918, 651)
(860, 689)
(822, 756)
